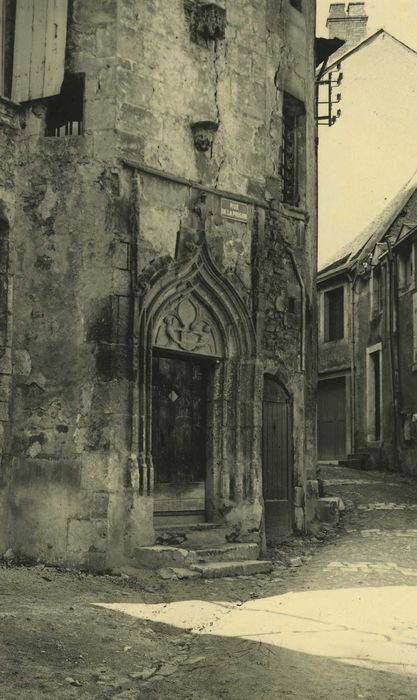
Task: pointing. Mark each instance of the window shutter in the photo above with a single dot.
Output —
(39, 48)
(415, 328)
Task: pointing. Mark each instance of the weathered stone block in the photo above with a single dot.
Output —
(232, 568)
(99, 504)
(327, 510)
(86, 536)
(6, 361)
(298, 496)
(159, 557)
(138, 120)
(312, 489)
(299, 519)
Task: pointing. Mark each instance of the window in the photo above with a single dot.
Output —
(64, 113)
(293, 149)
(334, 308)
(298, 4)
(405, 267)
(32, 48)
(376, 292)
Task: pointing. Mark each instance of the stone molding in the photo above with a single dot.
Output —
(233, 468)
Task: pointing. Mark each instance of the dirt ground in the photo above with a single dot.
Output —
(57, 641)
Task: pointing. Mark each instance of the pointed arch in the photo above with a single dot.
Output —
(220, 315)
(189, 306)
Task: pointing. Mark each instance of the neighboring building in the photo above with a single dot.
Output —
(367, 392)
(376, 79)
(159, 241)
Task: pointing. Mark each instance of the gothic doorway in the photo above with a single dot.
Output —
(180, 385)
(277, 460)
(194, 429)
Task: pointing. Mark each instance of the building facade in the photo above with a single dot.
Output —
(367, 396)
(159, 241)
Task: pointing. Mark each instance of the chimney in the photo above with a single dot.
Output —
(349, 24)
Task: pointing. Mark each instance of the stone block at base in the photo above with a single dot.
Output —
(159, 557)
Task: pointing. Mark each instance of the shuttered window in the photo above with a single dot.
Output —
(32, 65)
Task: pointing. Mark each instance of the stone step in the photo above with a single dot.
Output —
(363, 457)
(351, 463)
(218, 569)
(163, 556)
(235, 551)
(192, 535)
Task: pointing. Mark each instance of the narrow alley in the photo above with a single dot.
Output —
(335, 618)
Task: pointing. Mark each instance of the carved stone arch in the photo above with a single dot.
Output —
(213, 296)
(190, 307)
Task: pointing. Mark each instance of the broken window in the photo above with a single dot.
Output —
(334, 303)
(32, 48)
(64, 113)
(293, 149)
(298, 4)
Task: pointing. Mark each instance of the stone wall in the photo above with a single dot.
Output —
(96, 212)
(395, 451)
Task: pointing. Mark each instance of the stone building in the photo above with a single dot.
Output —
(367, 397)
(158, 233)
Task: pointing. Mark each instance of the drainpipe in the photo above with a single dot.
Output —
(393, 347)
(352, 280)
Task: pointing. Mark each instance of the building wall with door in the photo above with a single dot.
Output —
(162, 173)
(380, 276)
(334, 387)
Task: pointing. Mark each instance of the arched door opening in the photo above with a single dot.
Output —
(194, 410)
(181, 388)
(277, 462)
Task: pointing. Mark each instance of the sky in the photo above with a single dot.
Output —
(366, 194)
(399, 17)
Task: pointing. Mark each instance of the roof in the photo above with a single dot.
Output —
(365, 42)
(324, 48)
(356, 249)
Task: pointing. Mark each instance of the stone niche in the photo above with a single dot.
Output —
(207, 21)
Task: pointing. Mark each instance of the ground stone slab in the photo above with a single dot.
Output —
(232, 568)
(228, 552)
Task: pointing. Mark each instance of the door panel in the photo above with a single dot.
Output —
(277, 461)
(332, 419)
(179, 402)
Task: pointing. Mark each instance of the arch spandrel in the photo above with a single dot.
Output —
(194, 308)
(189, 326)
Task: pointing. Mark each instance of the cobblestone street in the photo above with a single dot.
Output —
(336, 618)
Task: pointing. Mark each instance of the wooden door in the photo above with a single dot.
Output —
(332, 419)
(179, 435)
(277, 460)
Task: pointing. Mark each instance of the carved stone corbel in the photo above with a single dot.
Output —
(203, 134)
